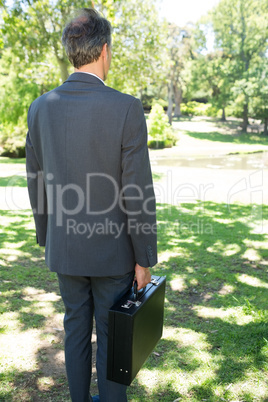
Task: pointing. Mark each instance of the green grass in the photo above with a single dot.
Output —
(218, 131)
(215, 341)
(157, 176)
(243, 138)
(13, 181)
(5, 159)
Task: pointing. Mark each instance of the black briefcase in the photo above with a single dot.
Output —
(135, 327)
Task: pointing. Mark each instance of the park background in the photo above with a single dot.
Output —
(203, 85)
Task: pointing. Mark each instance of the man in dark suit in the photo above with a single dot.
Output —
(90, 187)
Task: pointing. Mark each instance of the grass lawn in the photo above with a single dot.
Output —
(215, 340)
(214, 130)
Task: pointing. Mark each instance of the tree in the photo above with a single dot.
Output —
(136, 39)
(19, 86)
(258, 106)
(32, 35)
(139, 41)
(241, 29)
(180, 46)
(214, 74)
(33, 29)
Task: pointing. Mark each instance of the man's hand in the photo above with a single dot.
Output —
(142, 275)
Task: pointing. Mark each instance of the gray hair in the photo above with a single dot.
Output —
(84, 36)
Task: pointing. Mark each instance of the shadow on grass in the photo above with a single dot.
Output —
(35, 385)
(23, 267)
(24, 277)
(217, 289)
(216, 269)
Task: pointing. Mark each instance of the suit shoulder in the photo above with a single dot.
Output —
(122, 96)
(42, 98)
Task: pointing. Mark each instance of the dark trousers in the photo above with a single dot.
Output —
(82, 297)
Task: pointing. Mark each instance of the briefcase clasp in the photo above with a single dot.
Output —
(154, 282)
(130, 303)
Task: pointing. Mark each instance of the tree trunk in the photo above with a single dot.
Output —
(170, 102)
(245, 118)
(265, 126)
(178, 100)
(223, 116)
(64, 72)
(141, 94)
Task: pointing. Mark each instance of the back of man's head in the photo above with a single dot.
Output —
(84, 37)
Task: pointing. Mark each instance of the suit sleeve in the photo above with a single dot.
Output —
(138, 193)
(37, 193)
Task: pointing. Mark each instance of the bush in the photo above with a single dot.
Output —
(160, 144)
(156, 144)
(234, 110)
(161, 134)
(199, 109)
(213, 111)
(13, 138)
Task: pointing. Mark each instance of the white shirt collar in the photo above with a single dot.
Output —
(94, 75)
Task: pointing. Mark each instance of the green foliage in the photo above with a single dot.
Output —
(258, 105)
(156, 144)
(13, 139)
(180, 46)
(161, 134)
(160, 144)
(199, 109)
(18, 88)
(33, 60)
(138, 46)
(191, 109)
(232, 72)
(241, 30)
(147, 54)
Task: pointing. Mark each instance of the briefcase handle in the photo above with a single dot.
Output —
(136, 292)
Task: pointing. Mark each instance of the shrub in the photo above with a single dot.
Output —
(188, 109)
(13, 139)
(161, 134)
(213, 111)
(199, 109)
(156, 144)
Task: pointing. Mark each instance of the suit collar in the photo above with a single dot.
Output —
(87, 78)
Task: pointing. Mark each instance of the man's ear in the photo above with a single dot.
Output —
(104, 51)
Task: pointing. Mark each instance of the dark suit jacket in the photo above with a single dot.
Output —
(89, 179)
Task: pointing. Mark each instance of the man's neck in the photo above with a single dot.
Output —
(86, 72)
(93, 68)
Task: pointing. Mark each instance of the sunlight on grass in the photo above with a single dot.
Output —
(252, 281)
(178, 284)
(226, 289)
(232, 315)
(252, 255)
(44, 383)
(19, 349)
(248, 386)
(185, 364)
(165, 255)
(225, 250)
(32, 294)
(12, 254)
(214, 343)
